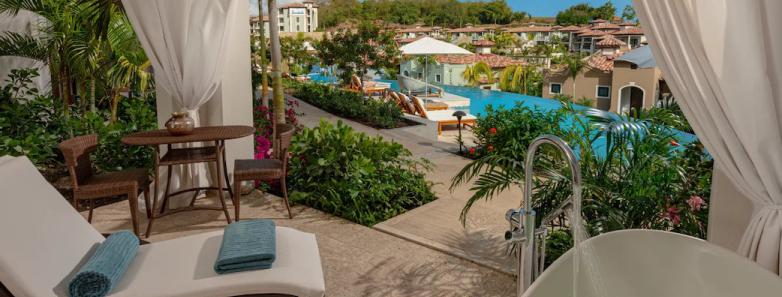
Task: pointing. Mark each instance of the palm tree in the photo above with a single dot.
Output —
(129, 66)
(62, 37)
(520, 79)
(278, 101)
(262, 57)
(574, 64)
(475, 74)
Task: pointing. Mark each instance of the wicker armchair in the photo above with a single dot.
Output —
(90, 186)
(265, 169)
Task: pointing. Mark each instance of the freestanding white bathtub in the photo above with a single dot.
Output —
(647, 263)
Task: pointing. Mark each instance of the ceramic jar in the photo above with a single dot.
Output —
(180, 124)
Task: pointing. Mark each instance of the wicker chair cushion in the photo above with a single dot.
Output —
(113, 183)
(257, 169)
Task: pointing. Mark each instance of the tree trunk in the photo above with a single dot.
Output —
(115, 97)
(574, 88)
(262, 62)
(65, 89)
(92, 95)
(278, 101)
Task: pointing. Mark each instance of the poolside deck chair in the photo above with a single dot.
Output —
(415, 87)
(442, 117)
(44, 241)
(402, 102)
(370, 87)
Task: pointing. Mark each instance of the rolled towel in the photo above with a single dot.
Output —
(247, 245)
(106, 266)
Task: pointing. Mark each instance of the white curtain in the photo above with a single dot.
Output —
(723, 62)
(186, 42)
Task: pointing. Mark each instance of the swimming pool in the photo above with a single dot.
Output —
(480, 99)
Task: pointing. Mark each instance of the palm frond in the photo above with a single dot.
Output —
(21, 45)
(13, 7)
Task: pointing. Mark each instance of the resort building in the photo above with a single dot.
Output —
(255, 25)
(533, 35)
(418, 31)
(293, 17)
(613, 80)
(449, 69)
(473, 33)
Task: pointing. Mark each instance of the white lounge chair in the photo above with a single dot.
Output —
(441, 117)
(43, 242)
(417, 87)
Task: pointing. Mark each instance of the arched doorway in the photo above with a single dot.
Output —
(630, 97)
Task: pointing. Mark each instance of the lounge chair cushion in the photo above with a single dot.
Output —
(446, 115)
(184, 267)
(44, 240)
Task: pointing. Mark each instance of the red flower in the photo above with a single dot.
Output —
(696, 202)
(673, 214)
(492, 130)
(472, 151)
(674, 143)
(490, 148)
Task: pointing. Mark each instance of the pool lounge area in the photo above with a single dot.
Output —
(480, 99)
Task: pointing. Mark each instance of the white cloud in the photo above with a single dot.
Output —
(254, 5)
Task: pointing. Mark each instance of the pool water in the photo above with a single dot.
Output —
(480, 99)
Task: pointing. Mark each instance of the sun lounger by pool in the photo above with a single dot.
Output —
(370, 87)
(416, 87)
(44, 241)
(442, 117)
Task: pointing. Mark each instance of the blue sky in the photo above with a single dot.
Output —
(551, 7)
(534, 7)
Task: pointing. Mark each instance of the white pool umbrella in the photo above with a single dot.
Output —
(429, 46)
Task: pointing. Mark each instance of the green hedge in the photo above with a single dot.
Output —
(375, 113)
(360, 178)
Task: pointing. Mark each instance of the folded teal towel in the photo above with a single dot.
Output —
(106, 266)
(247, 245)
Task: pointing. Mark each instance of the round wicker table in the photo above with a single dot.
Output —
(189, 155)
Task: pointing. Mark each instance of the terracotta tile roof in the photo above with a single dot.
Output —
(609, 41)
(571, 28)
(529, 29)
(629, 31)
(483, 42)
(415, 30)
(627, 24)
(597, 21)
(293, 5)
(494, 61)
(601, 62)
(401, 41)
(592, 33)
(605, 26)
(468, 30)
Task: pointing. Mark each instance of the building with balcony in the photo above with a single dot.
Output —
(293, 17)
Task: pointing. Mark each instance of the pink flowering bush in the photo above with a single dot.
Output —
(263, 124)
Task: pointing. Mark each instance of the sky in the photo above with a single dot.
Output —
(543, 8)
(534, 7)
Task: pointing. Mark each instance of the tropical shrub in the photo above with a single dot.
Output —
(375, 113)
(357, 177)
(635, 174)
(33, 124)
(30, 123)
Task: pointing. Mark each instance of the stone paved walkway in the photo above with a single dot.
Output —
(436, 224)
